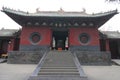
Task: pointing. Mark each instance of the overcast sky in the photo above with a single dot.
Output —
(91, 6)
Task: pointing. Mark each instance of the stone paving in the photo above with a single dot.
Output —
(15, 71)
(23, 71)
(102, 72)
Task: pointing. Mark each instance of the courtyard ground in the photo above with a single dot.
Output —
(23, 71)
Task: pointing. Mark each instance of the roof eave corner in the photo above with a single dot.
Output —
(4, 9)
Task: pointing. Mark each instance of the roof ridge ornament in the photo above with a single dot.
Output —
(37, 10)
(84, 10)
(61, 10)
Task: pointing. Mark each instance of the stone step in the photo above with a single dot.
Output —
(58, 70)
(59, 59)
(59, 63)
(58, 67)
(57, 77)
(3, 60)
(58, 73)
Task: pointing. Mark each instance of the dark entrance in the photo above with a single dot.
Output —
(60, 40)
(102, 45)
(114, 49)
(16, 44)
(3, 46)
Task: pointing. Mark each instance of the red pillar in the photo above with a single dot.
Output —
(107, 45)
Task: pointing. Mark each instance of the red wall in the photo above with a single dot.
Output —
(75, 32)
(45, 33)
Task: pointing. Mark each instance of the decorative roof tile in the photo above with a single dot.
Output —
(8, 32)
(58, 13)
(112, 34)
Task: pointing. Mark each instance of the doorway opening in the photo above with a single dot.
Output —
(60, 40)
(114, 49)
(3, 46)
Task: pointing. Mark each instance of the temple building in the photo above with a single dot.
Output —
(9, 40)
(113, 40)
(58, 30)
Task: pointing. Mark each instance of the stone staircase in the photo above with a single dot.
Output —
(58, 65)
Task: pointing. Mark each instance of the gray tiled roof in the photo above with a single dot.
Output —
(57, 13)
(7, 32)
(112, 34)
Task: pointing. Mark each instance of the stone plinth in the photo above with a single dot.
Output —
(93, 57)
(25, 57)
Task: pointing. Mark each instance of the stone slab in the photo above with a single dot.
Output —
(116, 61)
(58, 78)
(3, 60)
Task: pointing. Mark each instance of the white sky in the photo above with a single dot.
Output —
(91, 6)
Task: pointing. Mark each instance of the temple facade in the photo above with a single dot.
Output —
(112, 40)
(9, 40)
(59, 30)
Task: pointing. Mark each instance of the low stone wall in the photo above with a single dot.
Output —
(93, 57)
(33, 47)
(84, 48)
(85, 57)
(25, 57)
